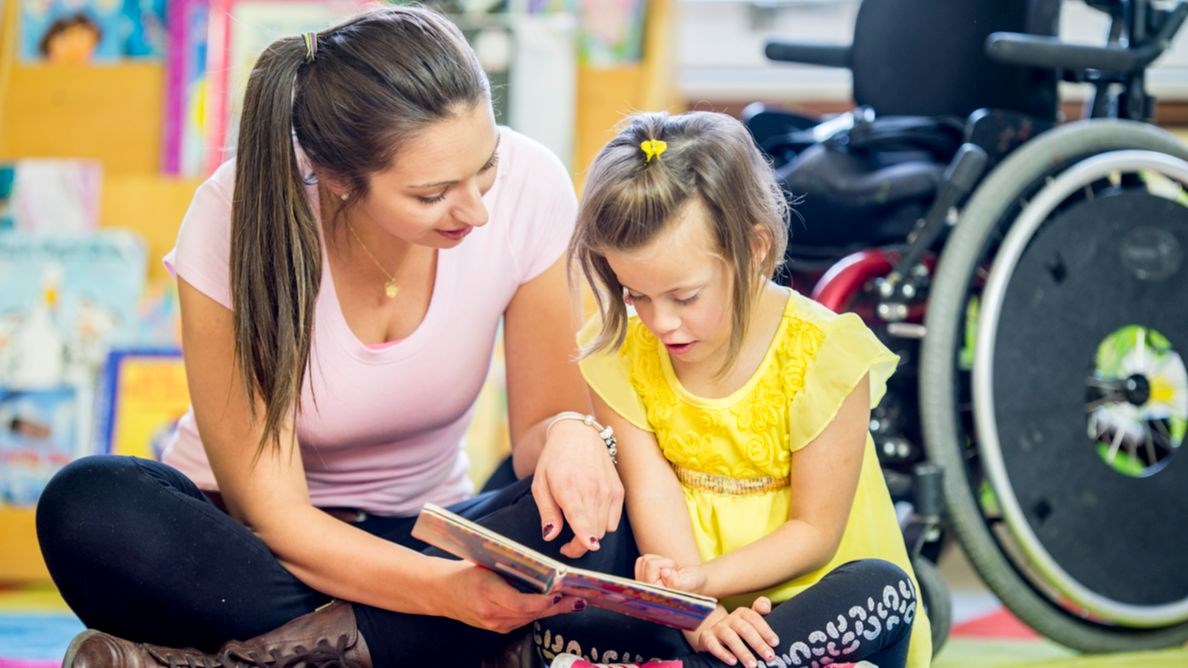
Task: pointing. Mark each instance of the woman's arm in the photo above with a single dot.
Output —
(270, 496)
(824, 480)
(575, 480)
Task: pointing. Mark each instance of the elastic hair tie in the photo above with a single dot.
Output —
(652, 148)
(311, 46)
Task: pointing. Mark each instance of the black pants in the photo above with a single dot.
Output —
(138, 551)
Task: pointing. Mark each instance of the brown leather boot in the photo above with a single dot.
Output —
(94, 649)
(324, 638)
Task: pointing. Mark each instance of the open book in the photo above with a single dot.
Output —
(457, 535)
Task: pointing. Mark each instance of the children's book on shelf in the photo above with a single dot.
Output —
(142, 395)
(539, 573)
(184, 141)
(91, 31)
(65, 299)
(50, 195)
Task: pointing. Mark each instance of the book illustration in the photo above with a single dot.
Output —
(91, 31)
(459, 536)
(50, 195)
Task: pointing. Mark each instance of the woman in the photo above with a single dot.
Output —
(341, 285)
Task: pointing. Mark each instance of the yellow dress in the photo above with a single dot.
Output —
(733, 455)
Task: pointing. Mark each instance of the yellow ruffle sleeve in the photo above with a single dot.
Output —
(848, 351)
(608, 373)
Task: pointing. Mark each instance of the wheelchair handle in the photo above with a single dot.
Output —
(1052, 52)
(808, 53)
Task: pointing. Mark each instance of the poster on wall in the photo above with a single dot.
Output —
(91, 31)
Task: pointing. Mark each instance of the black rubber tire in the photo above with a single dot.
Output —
(945, 437)
(938, 602)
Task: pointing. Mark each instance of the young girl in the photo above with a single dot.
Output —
(742, 411)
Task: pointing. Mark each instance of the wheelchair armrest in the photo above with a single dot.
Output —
(826, 55)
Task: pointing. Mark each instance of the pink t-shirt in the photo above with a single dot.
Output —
(387, 431)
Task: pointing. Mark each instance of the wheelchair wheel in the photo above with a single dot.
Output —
(1066, 276)
(937, 601)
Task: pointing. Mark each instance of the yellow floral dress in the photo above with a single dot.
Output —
(733, 455)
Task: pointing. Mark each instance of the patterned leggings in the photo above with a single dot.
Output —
(862, 610)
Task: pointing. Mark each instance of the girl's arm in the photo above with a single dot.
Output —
(270, 496)
(575, 480)
(824, 480)
(655, 503)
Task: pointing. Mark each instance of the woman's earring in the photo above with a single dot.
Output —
(344, 196)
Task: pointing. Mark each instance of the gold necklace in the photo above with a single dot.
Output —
(390, 287)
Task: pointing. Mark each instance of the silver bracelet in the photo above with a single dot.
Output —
(605, 432)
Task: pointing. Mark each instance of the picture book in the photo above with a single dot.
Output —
(91, 31)
(520, 564)
(50, 195)
(142, 395)
(65, 299)
(184, 141)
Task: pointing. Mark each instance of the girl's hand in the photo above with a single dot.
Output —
(739, 635)
(481, 598)
(658, 570)
(575, 481)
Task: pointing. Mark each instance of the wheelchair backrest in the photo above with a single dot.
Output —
(927, 57)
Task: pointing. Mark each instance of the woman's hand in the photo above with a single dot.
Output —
(658, 570)
(738, 635)
(576, 482)
(481, 598)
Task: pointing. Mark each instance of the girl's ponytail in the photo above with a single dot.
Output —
(276, 256)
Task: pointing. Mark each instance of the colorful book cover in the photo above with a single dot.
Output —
(185, 81)
(141, 398)
(65, 300)
(91, 31)
(457, 535)
(50, 195)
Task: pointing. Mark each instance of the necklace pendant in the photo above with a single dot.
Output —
(390, 289)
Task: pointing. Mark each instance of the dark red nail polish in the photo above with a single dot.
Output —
(579, 605)
(557, 599)
(548, 529)
(593, 541)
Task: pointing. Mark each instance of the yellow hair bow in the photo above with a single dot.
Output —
(653, 148)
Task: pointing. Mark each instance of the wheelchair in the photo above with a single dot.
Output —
(1033, 277)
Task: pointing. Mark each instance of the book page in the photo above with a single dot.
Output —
(638, 599)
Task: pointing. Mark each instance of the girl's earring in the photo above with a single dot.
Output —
(344, 196)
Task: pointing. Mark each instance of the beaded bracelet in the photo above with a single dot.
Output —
(606, 433)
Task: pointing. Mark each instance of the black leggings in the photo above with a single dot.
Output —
(138, 551)
(862, 610)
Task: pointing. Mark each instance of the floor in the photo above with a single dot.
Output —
(986, 635)
(36, 626)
